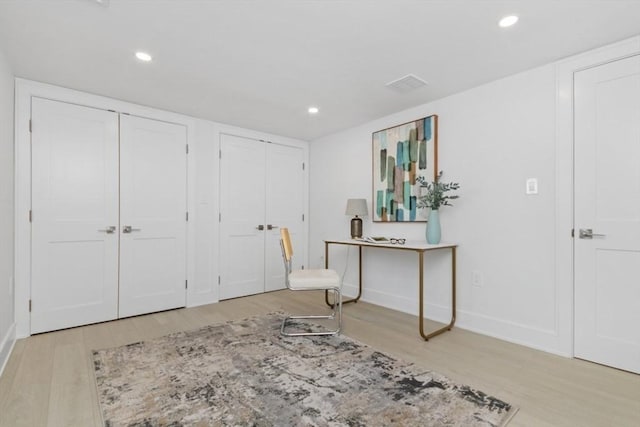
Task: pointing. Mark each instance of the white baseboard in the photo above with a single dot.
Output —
(431, 311)
(6, 346)
(204, 298)
(529, 336)
(526, 335)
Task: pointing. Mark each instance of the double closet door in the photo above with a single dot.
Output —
(261, 189)
(108, 224)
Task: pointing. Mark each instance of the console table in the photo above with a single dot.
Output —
(410, 246)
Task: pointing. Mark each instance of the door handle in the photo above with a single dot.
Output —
(109, 230)
(587, 233)
(271, 227)
(260, 227)
(129, 229)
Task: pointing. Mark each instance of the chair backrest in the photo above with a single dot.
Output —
(287, 249)
(287, 252)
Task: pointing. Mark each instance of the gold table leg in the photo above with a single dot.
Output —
(326, 265)
(453, 296)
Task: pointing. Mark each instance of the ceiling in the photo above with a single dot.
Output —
(261, 64)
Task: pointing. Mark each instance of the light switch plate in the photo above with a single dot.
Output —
(476, 278)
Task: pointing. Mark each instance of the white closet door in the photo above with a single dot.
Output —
(74, 260)
(242, 201)
(153, 206)
(284, 208)
(607, 202)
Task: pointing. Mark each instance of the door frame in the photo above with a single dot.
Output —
(564, 207)
(24, 91)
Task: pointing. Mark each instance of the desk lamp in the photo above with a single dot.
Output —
(356, 207)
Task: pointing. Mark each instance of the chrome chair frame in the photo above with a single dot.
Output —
(336, 314)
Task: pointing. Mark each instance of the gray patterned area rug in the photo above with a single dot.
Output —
(243, 373)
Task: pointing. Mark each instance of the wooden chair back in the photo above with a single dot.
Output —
(287, 249)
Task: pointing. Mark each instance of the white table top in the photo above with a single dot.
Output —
(409, 244)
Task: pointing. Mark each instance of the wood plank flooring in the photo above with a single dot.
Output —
(49, 381)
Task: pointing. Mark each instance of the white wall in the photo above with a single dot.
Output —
(7, 330)
(491, 139)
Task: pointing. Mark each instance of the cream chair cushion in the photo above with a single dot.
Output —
(309, 279)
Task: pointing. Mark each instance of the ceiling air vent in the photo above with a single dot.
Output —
(406, 84)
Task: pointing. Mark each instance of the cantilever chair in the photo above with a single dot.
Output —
(310, 280)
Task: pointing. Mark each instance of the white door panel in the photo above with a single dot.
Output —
(153, 197)
(607, 201)
(284, 208)
(242, 198)
(74, 196)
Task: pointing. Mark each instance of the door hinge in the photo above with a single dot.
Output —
(187, 216)
(220, 217)
(186, 284)
(572, 232)
(303, 166)
(187, 148)
(29, 306)
(302, 217)
(30, 126)
(30, 215)
(218, 280)
(219, 154)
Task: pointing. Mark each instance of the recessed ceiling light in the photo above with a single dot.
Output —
(143, 56)
(508, 21)
(313, 110)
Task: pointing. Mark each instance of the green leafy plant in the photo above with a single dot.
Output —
(436, 192)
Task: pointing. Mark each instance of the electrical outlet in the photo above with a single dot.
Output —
(532, 186)
(476, 278)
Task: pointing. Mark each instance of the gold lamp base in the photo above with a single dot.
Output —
(356, 227)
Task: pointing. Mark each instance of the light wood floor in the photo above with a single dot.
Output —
(48, 380)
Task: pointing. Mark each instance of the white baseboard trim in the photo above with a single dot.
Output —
(514, 333)
(203, 298)
(525, 335)
(403, 304)
(6, 347)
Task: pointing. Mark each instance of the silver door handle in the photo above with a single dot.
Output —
(587, 233)
(271, 227)
(129, 229)
(260, 227)
(109, 230)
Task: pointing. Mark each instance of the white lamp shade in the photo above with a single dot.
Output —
(357, 207)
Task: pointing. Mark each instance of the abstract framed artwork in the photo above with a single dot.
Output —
(400, 155)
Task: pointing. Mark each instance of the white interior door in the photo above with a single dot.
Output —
(74, 276)
(607, 202)
(153, 208)
(285, 185)
(242, 214)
